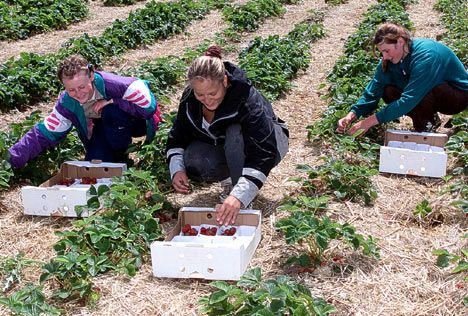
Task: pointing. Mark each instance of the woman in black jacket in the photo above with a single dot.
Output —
(225, 131)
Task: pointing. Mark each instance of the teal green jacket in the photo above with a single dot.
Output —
(427, 65)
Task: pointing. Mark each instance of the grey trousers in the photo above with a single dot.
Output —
(210, 163)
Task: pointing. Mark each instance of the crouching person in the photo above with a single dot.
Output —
(225, 131)
(107, 110)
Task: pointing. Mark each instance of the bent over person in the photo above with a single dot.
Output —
(415, 77)
(225, 131)
(107, 110)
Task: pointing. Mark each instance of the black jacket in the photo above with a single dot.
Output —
(243, 105)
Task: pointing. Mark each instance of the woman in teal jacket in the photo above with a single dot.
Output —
(415, 77)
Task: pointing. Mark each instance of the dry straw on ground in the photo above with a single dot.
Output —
(404, 282)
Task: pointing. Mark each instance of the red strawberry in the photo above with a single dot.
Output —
(186, 228)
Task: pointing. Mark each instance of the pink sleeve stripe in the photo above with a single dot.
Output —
(134, 94)
(50, 120)
(136, 100)
(51, 127)
(144, 103)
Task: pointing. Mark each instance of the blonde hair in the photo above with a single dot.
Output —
(72, 65)
(389, 33)
(209, 66)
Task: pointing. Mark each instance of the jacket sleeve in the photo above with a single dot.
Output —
(260, 147)
(374, 90)
(45, 134)
(137, 100)
(179, 138)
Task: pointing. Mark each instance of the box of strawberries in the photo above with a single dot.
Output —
(197, 247)
(69, 188)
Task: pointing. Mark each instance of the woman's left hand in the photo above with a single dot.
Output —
(363, 125)
(99, 105)
(227, 213)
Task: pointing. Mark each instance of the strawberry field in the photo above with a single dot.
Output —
(338, 237)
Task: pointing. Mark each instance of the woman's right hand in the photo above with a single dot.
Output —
(344, 122)
(180, 182)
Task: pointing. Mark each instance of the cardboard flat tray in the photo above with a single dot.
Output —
(52, 199)
(207, 257)
(411, 153)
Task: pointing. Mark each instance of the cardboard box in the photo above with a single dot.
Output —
(52, 199)
(207, 257)
(411, 153)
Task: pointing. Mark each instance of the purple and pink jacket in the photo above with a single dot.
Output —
(132, 95)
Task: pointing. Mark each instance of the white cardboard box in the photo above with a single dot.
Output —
(52, 199)
(411, 153)
(207, 257)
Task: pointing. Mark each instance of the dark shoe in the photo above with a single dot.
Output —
(433, 125)
(448, 124)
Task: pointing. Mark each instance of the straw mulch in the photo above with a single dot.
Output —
(405, 281)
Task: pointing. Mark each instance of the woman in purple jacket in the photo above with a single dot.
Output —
(106, 109)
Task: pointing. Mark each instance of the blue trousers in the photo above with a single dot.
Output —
(112, 134)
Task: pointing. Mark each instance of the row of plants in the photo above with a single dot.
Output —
(455, 20)
(272, 62)
(31, 77)
(454, 17)
(20, 19)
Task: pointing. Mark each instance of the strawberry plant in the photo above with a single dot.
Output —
(345, 181)
(253, 295)
(12, 268)
(29, 300)
(455, 19)
(116, 239)
(306, 203)
(445, 258)
(422, 209)
(314, 234)
(457, 145)
(23, 18)
(459, 190)
(152, 156)
(249, 16)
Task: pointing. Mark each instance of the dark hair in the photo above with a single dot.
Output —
(209, 66)
(72, 65)
(389, 33)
